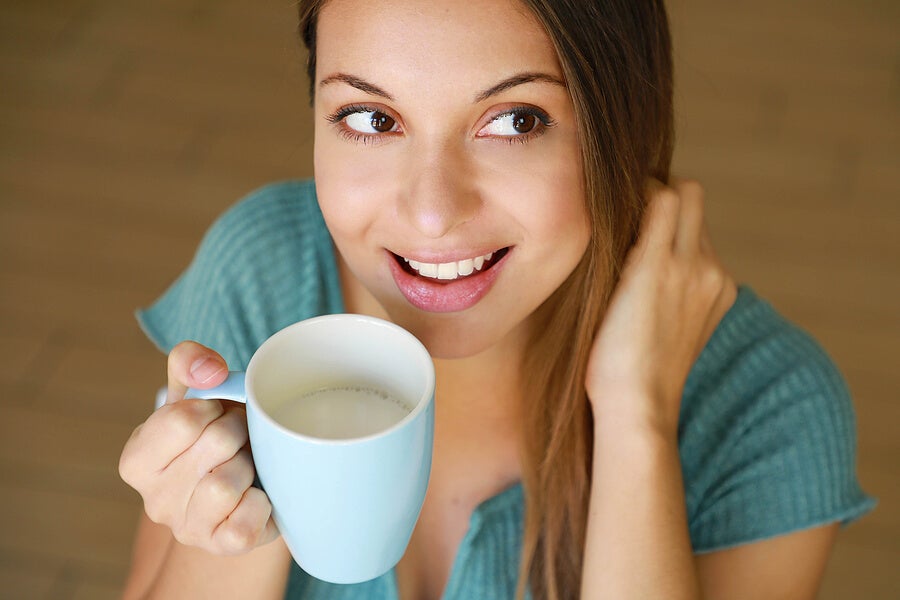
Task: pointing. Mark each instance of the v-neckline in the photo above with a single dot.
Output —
(502, 501)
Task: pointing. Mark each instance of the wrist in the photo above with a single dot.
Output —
(628, 413)
(641, 450)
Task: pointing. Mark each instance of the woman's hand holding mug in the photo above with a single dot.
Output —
(340, 413)
(191, 463)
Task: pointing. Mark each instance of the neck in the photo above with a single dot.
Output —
(487, 385)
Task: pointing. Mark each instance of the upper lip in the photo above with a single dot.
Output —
(444, 257)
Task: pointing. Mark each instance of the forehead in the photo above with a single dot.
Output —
(407, 40)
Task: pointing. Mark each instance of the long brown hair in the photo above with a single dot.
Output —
(616, 59)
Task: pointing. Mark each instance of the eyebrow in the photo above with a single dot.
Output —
(519, 79)
(358, 83)
(508, 83)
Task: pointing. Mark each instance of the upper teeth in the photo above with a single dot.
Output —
(450, 270)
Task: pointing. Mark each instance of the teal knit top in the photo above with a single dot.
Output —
(766, 433)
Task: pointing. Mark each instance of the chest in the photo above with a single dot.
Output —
(426, 567)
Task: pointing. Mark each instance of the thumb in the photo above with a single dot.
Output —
(193, 365)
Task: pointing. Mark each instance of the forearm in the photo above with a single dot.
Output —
(637, 542)
(193, 573)
(163, 568)
(152, 543)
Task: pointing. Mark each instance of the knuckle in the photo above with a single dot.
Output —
(696, 202)
(221, 490)
(178, 357)
(183, 350)
(219, 440)
(691, 187)
(157, 511)
(667, 196)
(188, 418)
(237, 538)
(192, 529)
(186, 537)
(713, 279)
(132, 462)
(128, 470)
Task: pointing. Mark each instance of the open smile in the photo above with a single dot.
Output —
(447, 286)
(452, 270)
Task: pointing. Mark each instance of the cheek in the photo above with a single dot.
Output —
(350, 186)
(564, 215)
(544, 193)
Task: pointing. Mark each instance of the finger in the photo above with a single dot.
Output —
(174, 484)
(723, 302)
(217, 495)
(167, 434)
(660, 220)
(193, 365)
(217, 443)
(690, 218)
(249, 524)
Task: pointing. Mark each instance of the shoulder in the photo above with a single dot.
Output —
(758, 365)
(767, 432)
(266, 262)
(270, 238)
(286, 210)
(279, 197)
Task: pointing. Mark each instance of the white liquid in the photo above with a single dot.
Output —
(341, 412)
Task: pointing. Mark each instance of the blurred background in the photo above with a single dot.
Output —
(126, 126)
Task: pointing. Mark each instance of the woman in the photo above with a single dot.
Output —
(615, 417)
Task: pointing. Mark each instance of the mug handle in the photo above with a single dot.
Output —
(231, 389)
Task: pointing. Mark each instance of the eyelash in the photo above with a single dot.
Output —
(346, 133)
(338, 117)
(545, 123)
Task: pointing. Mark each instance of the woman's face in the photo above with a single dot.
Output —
(447, 164)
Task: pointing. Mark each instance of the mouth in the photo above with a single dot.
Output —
(449, 286)
(451, 271)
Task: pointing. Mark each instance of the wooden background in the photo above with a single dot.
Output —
(126, 126)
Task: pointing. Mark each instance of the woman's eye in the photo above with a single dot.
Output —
(370, 122)
(513, 124)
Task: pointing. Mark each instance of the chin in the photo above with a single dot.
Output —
(449, 336)
(444, 348)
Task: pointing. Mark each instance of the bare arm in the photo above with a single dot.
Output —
(637, 536)
(787, 567)
(163, 568)
(151, 545)
(638, 544)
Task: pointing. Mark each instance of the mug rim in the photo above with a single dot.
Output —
(421, 405)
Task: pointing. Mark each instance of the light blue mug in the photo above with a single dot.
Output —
(340, 410)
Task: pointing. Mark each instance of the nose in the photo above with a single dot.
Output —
(439, 194)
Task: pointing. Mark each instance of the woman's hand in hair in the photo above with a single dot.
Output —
(672, 293)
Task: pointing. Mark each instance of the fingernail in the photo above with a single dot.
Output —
(205, 369)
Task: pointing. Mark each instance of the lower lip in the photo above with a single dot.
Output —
(444, 296)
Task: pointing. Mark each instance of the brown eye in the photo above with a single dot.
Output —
(382, 123)
(519, 124)
(524, 122)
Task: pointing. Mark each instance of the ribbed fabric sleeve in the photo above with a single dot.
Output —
(264, 264)
(767, 437)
